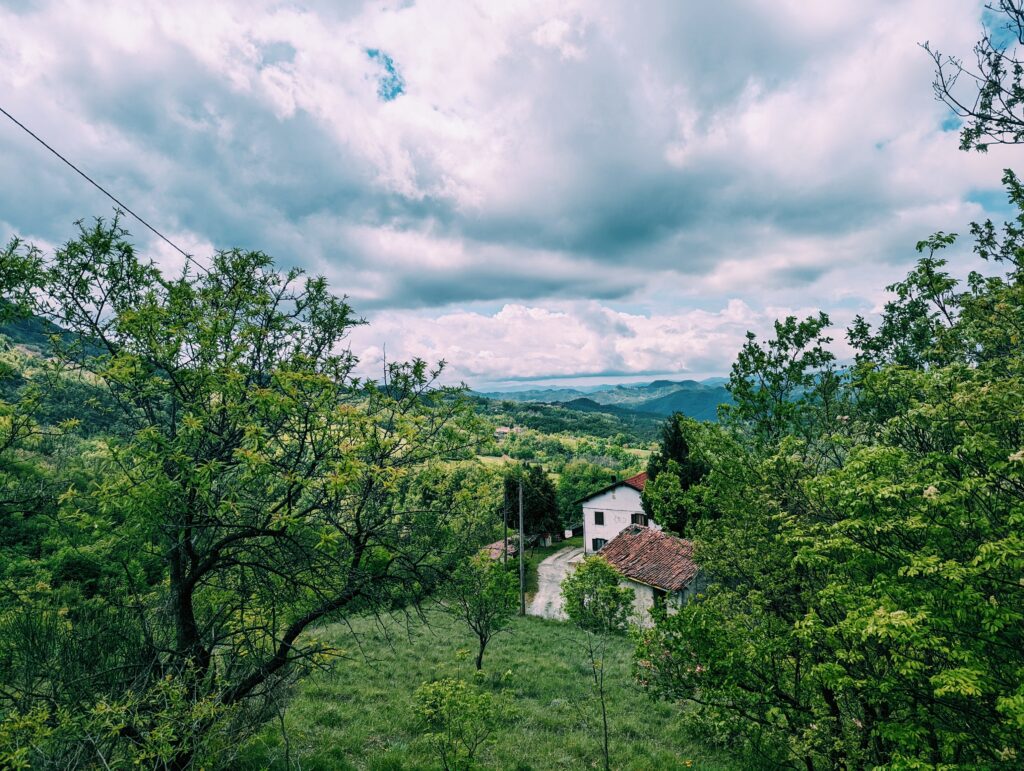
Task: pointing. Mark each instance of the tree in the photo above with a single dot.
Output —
(19, 274)
(866, 565)
(988, 98)
(459, 719)
(577, 480)
(485, 595)
(671, 472)
(781, 387)
(540, 501)
(256, 488)
(597, 603)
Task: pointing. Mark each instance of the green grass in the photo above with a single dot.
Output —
(359, 714)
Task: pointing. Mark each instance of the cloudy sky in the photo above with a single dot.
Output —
(533, 191)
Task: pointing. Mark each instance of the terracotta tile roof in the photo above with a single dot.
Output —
(494, 550)
(652, 557)
(637, 482)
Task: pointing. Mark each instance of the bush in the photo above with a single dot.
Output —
(458, 719)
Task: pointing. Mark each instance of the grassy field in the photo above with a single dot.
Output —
(359, 714)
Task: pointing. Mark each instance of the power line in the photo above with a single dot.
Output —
(100, 187)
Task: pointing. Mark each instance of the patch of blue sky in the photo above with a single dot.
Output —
(1000, 33)
(951, 123)
(994, 202)
(391, 84)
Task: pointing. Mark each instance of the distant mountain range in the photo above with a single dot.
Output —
(695, 399)
(642, 401)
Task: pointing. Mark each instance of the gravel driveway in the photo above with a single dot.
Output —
(547, 602)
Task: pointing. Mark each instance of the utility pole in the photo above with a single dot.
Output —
(522, 570)
(504, 554)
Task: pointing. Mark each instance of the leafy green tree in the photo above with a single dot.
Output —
(988, 98)
(785, 386)
(865, 608)
(577, 480)
(540, 500)
(671, 472)
(485, 595)
(255, 490)
(20, 266)
(25, 478)
(917, 324)
(459, 719)
(596, 602)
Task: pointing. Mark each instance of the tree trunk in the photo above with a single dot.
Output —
(480, 654)
(604, 721)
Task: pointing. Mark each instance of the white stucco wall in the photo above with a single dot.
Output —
(642, 602)
(644, 599)
(618, 504)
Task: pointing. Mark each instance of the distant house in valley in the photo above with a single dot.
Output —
(611, 509)
(658, 567)
(501, 433)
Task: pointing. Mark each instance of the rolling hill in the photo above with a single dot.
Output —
(695, 399)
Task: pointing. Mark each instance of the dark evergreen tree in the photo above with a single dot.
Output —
(671, 472)
(540, 500)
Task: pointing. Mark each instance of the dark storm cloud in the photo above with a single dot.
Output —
(496, 282)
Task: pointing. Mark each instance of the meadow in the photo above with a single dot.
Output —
(359, 713)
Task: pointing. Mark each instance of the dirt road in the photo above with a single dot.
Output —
(547, 602)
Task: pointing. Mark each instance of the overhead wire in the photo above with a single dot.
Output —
(102, 189)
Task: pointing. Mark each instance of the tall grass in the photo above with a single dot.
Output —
(359, 714)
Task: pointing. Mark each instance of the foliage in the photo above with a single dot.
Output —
(539, 500)
(577, 480)
(786, 386)
(865, 607)
(249, 488)
(671, 472)
(990, 105)
(485, 595)
(20, 265)
(459, 718)
(595, 600)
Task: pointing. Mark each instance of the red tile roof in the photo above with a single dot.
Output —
(494, 550)
(652, 557)
(637, 482)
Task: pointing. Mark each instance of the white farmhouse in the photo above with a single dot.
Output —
(610, 510)
(658, 567)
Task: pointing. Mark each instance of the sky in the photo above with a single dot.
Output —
(534, 192)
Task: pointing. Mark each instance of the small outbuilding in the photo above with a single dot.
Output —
(497, 549)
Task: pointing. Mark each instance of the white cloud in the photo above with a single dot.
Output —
(603, 175)
(572, 339)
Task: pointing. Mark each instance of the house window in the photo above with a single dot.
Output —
(640, 519)
(660, 597)
(598, 543)
(598, 517)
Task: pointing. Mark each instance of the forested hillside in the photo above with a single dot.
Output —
(582, 417)
(698, 400)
